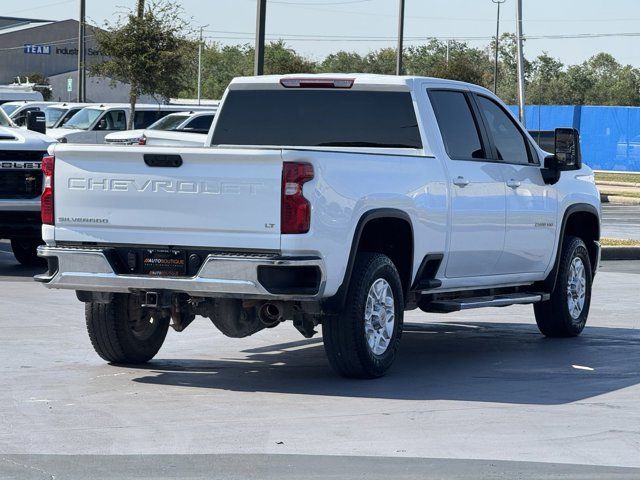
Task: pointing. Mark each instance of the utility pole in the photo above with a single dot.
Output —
(261, 14)
(520, 63)
(447, 55)
(82, 94)
(200, 66)
(495, 63)
(400, 38)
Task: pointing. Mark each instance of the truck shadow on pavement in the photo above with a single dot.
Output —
(483, 362)
(10, 268)
(15, 271)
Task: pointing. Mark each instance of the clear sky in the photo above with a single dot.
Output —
(314, 27)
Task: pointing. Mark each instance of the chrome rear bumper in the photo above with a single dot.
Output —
(224, 275)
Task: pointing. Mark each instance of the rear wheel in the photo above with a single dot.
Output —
(26, 252)
(123, 332)
(362, 342)
(565, 313)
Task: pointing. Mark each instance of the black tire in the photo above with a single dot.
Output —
(121, 332)
(344, 337)
(553, 316)
(26, 252)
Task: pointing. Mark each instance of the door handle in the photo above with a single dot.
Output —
(513, 183)
(460, 181)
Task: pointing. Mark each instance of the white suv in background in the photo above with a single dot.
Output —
(17, 111)
(192, 122)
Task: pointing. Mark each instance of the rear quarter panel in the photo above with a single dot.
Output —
(348, 184)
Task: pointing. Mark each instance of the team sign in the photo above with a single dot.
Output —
(37, 49)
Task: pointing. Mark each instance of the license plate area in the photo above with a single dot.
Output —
(164, 262)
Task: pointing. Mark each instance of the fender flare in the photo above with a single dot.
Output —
(336, 303)
(549, 283)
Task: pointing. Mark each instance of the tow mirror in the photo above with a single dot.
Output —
(566, 155)
(36, 121)
(567, 149)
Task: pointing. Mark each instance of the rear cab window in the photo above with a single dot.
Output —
(318, 118)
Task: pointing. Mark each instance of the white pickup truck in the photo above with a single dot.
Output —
(332, 200)
(21, 178)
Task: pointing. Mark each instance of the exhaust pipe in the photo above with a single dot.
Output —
(271, 314)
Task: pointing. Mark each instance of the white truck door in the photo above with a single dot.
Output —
(531, 204)
(477, 188)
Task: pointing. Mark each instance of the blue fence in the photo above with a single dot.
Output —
(610, 136)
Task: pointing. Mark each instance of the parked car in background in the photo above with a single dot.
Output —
(57, 114)
(191, 133)
(191, 122)
(18, 111)
(21, 183)
(93, 123)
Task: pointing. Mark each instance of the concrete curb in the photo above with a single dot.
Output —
(620, 253)
(618, 199)
(606, 183)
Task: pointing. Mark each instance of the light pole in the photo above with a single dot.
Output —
(400, 38)
(200, 67)
(495, 64)
(258, 68)
(81, 54)
(520, 63)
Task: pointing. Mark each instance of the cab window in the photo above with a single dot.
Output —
(144, 118)
(508, 138)
(113, 120)
(199, 124)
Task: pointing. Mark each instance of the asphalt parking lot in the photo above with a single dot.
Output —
(473, 395)
(621, 221)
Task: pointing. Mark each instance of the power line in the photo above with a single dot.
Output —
(237, 35)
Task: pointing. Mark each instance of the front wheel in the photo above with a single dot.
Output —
(362, 341)
(565, 313)
(121, 331)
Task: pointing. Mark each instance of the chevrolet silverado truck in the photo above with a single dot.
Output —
(332, 200)
(21, 153)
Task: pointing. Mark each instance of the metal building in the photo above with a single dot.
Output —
(50, 48)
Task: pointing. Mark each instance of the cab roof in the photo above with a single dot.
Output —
(360, 81)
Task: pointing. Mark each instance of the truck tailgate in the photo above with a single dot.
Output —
(222, 198)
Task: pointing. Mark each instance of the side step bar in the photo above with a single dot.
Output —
(457, 304)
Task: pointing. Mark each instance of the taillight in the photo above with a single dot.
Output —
(46, 200)
(142, 140)
(295, 216)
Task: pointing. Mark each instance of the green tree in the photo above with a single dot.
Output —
(548, 81)
(342, 62)
(220, 64)
(42, 84)
(381, 61)
(452, 60)
(149, 50)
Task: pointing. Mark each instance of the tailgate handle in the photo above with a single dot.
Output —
(154, 160)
